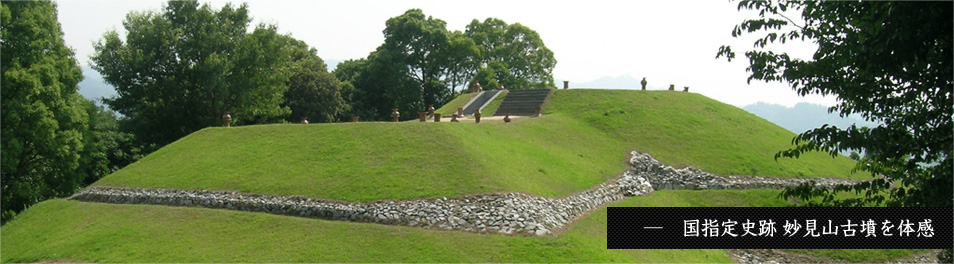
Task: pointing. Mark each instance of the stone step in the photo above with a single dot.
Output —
(522, 102)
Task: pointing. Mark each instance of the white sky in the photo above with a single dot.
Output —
(668, 42)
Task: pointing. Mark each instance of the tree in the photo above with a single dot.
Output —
(422, 63)
(381, 84)
(42, 114)
(106, 149)
(351, 74)
(513, 54)
(314, 93)
(854, 156)
(178, 71)
(464, 65)
(418, 64)
(428, 50)
(890, 62)
(369, 80)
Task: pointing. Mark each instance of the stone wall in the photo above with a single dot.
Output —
(508, 213)
(664, 177)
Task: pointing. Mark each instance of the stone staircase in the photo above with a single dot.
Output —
(480, 101)
(523, 102)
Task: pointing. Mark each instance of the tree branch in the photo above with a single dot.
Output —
(791, 21)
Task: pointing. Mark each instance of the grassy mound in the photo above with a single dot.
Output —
(581, 142)
(92, 232)
(373, 161)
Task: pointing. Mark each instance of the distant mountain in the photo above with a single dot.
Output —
(803, 116)
(93, 86)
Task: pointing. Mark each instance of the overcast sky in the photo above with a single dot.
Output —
(668, 42)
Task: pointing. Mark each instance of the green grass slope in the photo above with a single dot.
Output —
(93, 232)
(61, 230)
(450, 108)
(491, 108)
(372, 161)
(688, 129)
(581, 142)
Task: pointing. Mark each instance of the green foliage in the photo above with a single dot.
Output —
(314, 93)
(946, 256)
(461, 68)
(42, 113)
(180, 69)
(380, 84)
(422, 63)
(54, 140)
(854, 156)
(487, 77)
(363, 94)
(511, 54)
(428, 50)
(890, 62)
(106, 149)
(170, 73)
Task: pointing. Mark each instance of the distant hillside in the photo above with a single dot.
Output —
(93, 86)
(803, 116)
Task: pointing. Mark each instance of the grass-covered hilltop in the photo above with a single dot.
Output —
(581, 140)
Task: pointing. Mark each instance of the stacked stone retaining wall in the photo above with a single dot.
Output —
(664, 177)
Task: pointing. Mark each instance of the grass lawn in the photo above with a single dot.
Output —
(93, 232)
